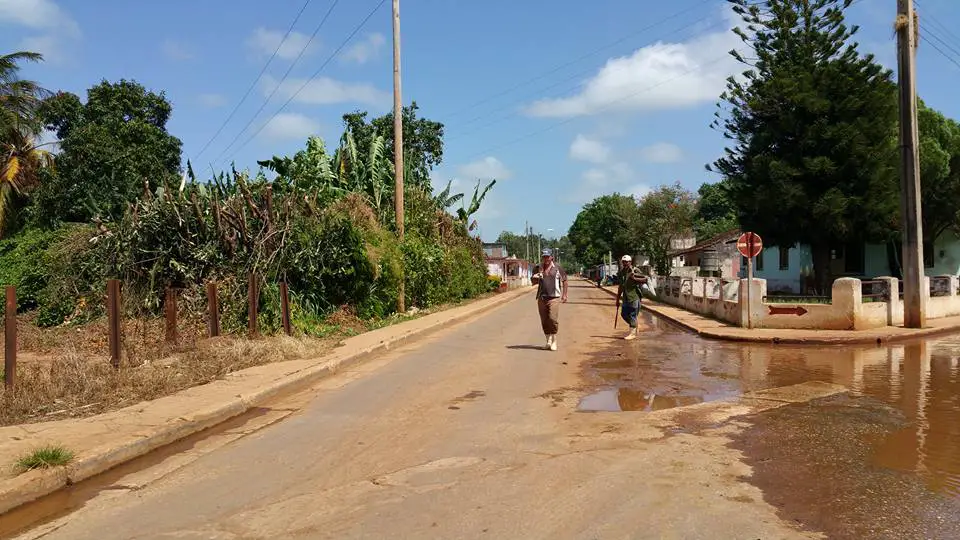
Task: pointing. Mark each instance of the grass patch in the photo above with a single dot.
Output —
(45, 458)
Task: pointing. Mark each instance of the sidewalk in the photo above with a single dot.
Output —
(102, 442)
(714, 329)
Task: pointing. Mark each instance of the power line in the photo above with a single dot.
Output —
(938, 49)
(255, 81)
(312, 77)
(552, 86)
(280, 82)
(576, 60)
(936, 22)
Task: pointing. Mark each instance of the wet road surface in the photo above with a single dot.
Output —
(477, 433)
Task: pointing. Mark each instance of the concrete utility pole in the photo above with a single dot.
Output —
(398, 144)
(914, 297)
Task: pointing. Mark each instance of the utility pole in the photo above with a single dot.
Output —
(526, 237)
(398, 145)
(914, 297)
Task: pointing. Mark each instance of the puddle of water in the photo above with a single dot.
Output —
(667, 367)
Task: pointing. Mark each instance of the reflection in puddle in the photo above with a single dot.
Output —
(667, 367)
(625, 399)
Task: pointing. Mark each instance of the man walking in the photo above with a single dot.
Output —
(629, 294)
(551, 283)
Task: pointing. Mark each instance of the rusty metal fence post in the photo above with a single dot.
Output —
(113, 320)
(253, 298)
(285, 308)
(10, 340)
(170, 314)
(213, 310)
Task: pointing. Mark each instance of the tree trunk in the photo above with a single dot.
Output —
(821, 267)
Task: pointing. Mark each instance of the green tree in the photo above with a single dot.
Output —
(663, 215)
(22, 158)
(422, 141)
(111, 147)
(939, 172)
(811, 122)
(716, 212)
(605, 225)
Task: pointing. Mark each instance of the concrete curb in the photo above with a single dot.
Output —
(871, 338)
(32, 485)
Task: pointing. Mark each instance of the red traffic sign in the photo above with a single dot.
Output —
(749, 244)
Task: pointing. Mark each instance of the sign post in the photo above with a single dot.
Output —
(749, 245)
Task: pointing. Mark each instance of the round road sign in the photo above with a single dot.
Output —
(749, 244)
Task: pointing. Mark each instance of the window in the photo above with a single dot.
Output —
(784, 258)
(928, 255)
(760, 261)
(853, 261)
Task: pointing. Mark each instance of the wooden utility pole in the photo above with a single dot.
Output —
(398, 143)
(914, 297)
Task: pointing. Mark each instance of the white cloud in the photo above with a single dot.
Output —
(488, 168)
(584, 149)
(286, 126)
(38, 15)
(265, 42)
(44, 16)
(639, 190)
(212, 100)
(326, 91)
(601, 181)
(177, 51)
(365, 50)
(661, 153)
(659, 76)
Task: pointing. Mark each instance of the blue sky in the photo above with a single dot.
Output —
(560, 100)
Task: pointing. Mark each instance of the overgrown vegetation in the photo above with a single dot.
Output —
(113, 202)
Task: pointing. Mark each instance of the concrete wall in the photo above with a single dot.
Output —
(725, 300)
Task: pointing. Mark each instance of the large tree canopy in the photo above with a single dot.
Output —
(663, 215)
(605, 225)
(810, 119)
(422, 141)
(110, 147)
(716, 212)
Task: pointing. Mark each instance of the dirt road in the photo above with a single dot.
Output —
(470, 433)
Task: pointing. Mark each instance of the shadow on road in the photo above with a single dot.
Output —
(526, 347)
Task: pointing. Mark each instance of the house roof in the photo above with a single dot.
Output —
(722, 238)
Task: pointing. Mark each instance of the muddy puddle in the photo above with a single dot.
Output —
(914, 386)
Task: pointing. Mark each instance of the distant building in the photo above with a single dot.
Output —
(714, 257)
(511, 270)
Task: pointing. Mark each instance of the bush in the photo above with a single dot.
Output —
(24, 264)
(493, 283)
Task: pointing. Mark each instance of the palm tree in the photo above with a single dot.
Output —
(21, 157)
(19, 98)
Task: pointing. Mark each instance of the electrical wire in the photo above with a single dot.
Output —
(280, 82)
(312, 77)
(254, 83)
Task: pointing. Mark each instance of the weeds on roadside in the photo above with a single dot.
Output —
(45, 458)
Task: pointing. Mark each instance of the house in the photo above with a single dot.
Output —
(790, 270)
(677, 245)
(511, 270)
(713, 257)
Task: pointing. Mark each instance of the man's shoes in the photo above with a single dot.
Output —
(632, 335)
(553, 343)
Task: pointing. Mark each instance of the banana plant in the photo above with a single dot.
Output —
(464, 213)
